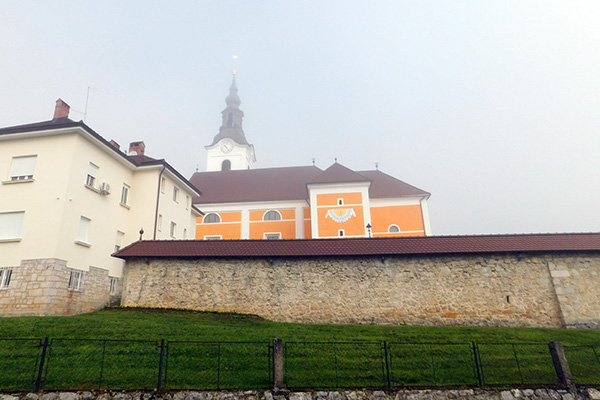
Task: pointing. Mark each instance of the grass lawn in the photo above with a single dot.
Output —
(120, 348)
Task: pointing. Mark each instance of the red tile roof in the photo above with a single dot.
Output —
(384, 185)
(560, 242)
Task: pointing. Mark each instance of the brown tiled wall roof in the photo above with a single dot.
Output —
(366, 246)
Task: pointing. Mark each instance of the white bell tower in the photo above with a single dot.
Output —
(229, 149)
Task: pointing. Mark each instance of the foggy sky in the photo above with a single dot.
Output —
(493, 107)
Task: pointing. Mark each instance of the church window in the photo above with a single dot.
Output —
(211, 218)
(273, 236)
(393, 229)
(341, 233)
(213, 237)
(226, 165)
(272, 216)
(340, 202)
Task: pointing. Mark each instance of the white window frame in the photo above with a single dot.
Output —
(125, 194)
(272, 211)
(5, 275)
(175, 194)
(92, 175)
(340, 202)
(163, 183)
(119, 241)
(341, 233)
(211, 222)
(112, 285)
(172, 229)
(213, 237)
(22, 168)
(11, 226)
(83, 231)
(187, 202)
(272, 235)
(75, 278)
(394, 226)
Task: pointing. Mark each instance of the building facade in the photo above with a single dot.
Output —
(68, 200)
(297, 202)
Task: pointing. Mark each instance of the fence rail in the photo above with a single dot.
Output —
(60, 364)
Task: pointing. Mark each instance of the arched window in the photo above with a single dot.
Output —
(393, 229)
(226, 165)
(211, 218)
(272, 216)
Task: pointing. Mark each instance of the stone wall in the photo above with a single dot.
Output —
(41, 287)
(465, 394)
(543, 290)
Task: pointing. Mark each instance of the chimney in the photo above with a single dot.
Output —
(137, 147)
(115, 144)
(61, 110)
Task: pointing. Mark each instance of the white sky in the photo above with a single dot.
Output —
(492, 106)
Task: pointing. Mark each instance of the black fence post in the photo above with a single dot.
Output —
(277, 363)
(477, 364)
(561, 366)
(160, 363)
(387, 364)
(38, 381)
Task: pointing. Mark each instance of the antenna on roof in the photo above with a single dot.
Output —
(87, 98)
(313, 160)
(335, 159)
(377, 166)
(196, 167)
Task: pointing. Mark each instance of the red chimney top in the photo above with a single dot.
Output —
(137, 147)
(61, 110)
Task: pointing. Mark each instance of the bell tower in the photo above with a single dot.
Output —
(229, 149)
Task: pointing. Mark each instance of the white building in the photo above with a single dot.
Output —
(68, 200)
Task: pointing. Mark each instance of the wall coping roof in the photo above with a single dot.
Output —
(429, 245)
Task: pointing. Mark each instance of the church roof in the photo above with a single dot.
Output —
(429, 245)
(247, 185)
(337, 173)
(289, 183)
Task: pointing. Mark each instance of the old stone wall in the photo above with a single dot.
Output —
(41, 287)
(465, 394)
(483, 290)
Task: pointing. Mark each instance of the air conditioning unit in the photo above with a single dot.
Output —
(104, 188)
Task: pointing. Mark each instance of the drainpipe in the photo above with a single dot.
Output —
(157, 202)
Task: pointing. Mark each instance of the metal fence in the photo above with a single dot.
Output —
(60, 364)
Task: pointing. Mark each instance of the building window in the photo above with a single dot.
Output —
(226, 165)
(172, 229)
(11, 225)
(187, 202)
(340, 202)
(124, 194)
(112, 285)
(75, 280)
(393, 229)
(159, 227)
(5, 274)
(211, 218)
(213, 237)
(91, 176)
(119, 241)
(341, 233)
(82, 234)
(272, 236)
(175, 194)
(22, 168)
(272, 216)
(163, 183)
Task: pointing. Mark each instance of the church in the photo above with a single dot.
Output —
(304, 202)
